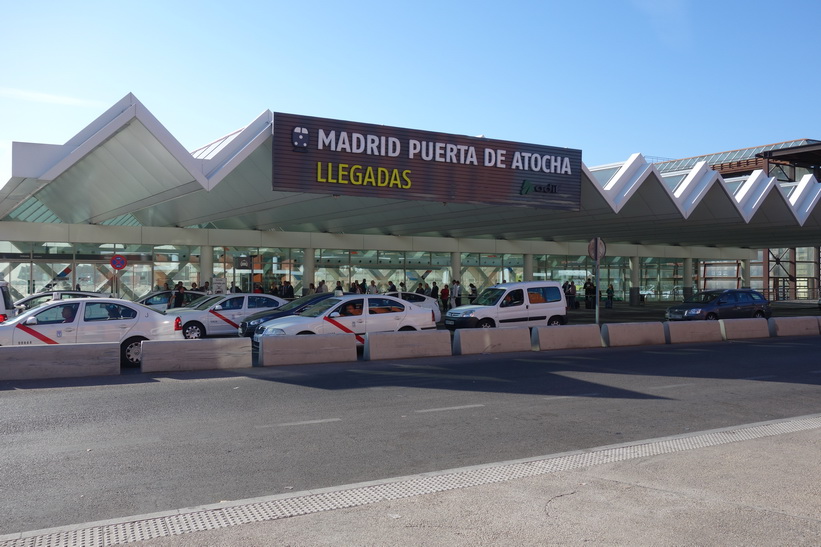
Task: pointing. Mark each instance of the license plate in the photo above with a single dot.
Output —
(256, 338)
(448, 322)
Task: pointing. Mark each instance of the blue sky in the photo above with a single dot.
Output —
(667, 78)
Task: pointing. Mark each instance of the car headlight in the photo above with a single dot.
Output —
(693, 311)
(469, 313)
(271, 331)
(255, 322)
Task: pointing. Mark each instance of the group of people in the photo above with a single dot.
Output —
(449, 296)
(590, 294)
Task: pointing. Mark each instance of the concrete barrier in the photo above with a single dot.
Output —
(566, 337)
(307, 349)
(793, 326)
(402, 345)
(689, 332)
(59, 361)
(473, 341)
(740, 329)
(633, 334)
(203, 354)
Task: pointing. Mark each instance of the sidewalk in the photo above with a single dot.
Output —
(758, 484)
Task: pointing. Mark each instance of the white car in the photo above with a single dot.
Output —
(34, 300)
(92, 320)
(222, 313)
(357, 314)
(420, 300)
(159, 299)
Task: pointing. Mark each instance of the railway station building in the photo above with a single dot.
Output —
(124, 208)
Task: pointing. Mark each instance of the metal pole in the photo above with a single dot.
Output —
(596, 301)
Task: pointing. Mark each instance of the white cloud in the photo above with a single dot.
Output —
(47, 98)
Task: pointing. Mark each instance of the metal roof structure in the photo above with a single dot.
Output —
(126, 169)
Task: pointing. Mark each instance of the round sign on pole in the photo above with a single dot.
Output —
(118, 262)
(596, 249)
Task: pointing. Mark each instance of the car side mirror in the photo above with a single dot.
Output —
(218, 307)
(31, 321)
(334, 314)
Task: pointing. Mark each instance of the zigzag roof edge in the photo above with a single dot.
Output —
(113, 121)
(752, 193)
(626, 182)
(695, 187)
(805, 198)
(241, 146)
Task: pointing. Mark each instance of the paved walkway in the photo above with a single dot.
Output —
(758, 484)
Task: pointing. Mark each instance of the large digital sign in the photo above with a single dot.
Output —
(325, 156)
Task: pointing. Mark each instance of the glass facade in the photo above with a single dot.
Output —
(789, 273)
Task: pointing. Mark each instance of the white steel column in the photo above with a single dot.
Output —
(527, 274)
(206, 264)
(456, 267)
(308, 269)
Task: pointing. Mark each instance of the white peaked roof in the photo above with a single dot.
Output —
(126, 168)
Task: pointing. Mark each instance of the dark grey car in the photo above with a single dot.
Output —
(720, 304)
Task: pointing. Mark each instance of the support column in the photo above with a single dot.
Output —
(687, 278)
(635, 283)
(527, 274)
(308, 269)
(455, 267)
(744, 274)
(206, 264)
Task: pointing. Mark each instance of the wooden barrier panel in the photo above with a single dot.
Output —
(202, 354)
(474, 341)
(793, 326)
(403, 345)
(566, 337)
(689, 332)
(633, 334)
(59, 361)
(307, 349)
(741, 329)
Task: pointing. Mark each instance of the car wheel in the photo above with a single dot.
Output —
(406, 329)
(193, 330)
(555, 321)
(485, 324)
(303, 332)
(711, 317)
(758, 314)
(131, 352)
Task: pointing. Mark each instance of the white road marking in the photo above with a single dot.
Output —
(449, 408)
(557, 397)
(306, 422)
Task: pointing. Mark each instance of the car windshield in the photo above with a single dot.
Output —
(299, 302)
(702, 297)
(489, 297)
(204, 302)
(320, 307)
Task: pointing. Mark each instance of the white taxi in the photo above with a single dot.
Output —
(34, 300)
(354, 314)
(222, 313)
(92, 320)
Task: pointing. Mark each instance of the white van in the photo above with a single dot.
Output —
(529, 303)
(7, 309)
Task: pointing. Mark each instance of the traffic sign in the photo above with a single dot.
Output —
(596, 249)
(118, 262)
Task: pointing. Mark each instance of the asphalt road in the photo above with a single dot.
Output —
(82, 450)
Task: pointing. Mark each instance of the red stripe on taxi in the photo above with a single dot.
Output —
(224, 319)
(39, 335)
(343, 328)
